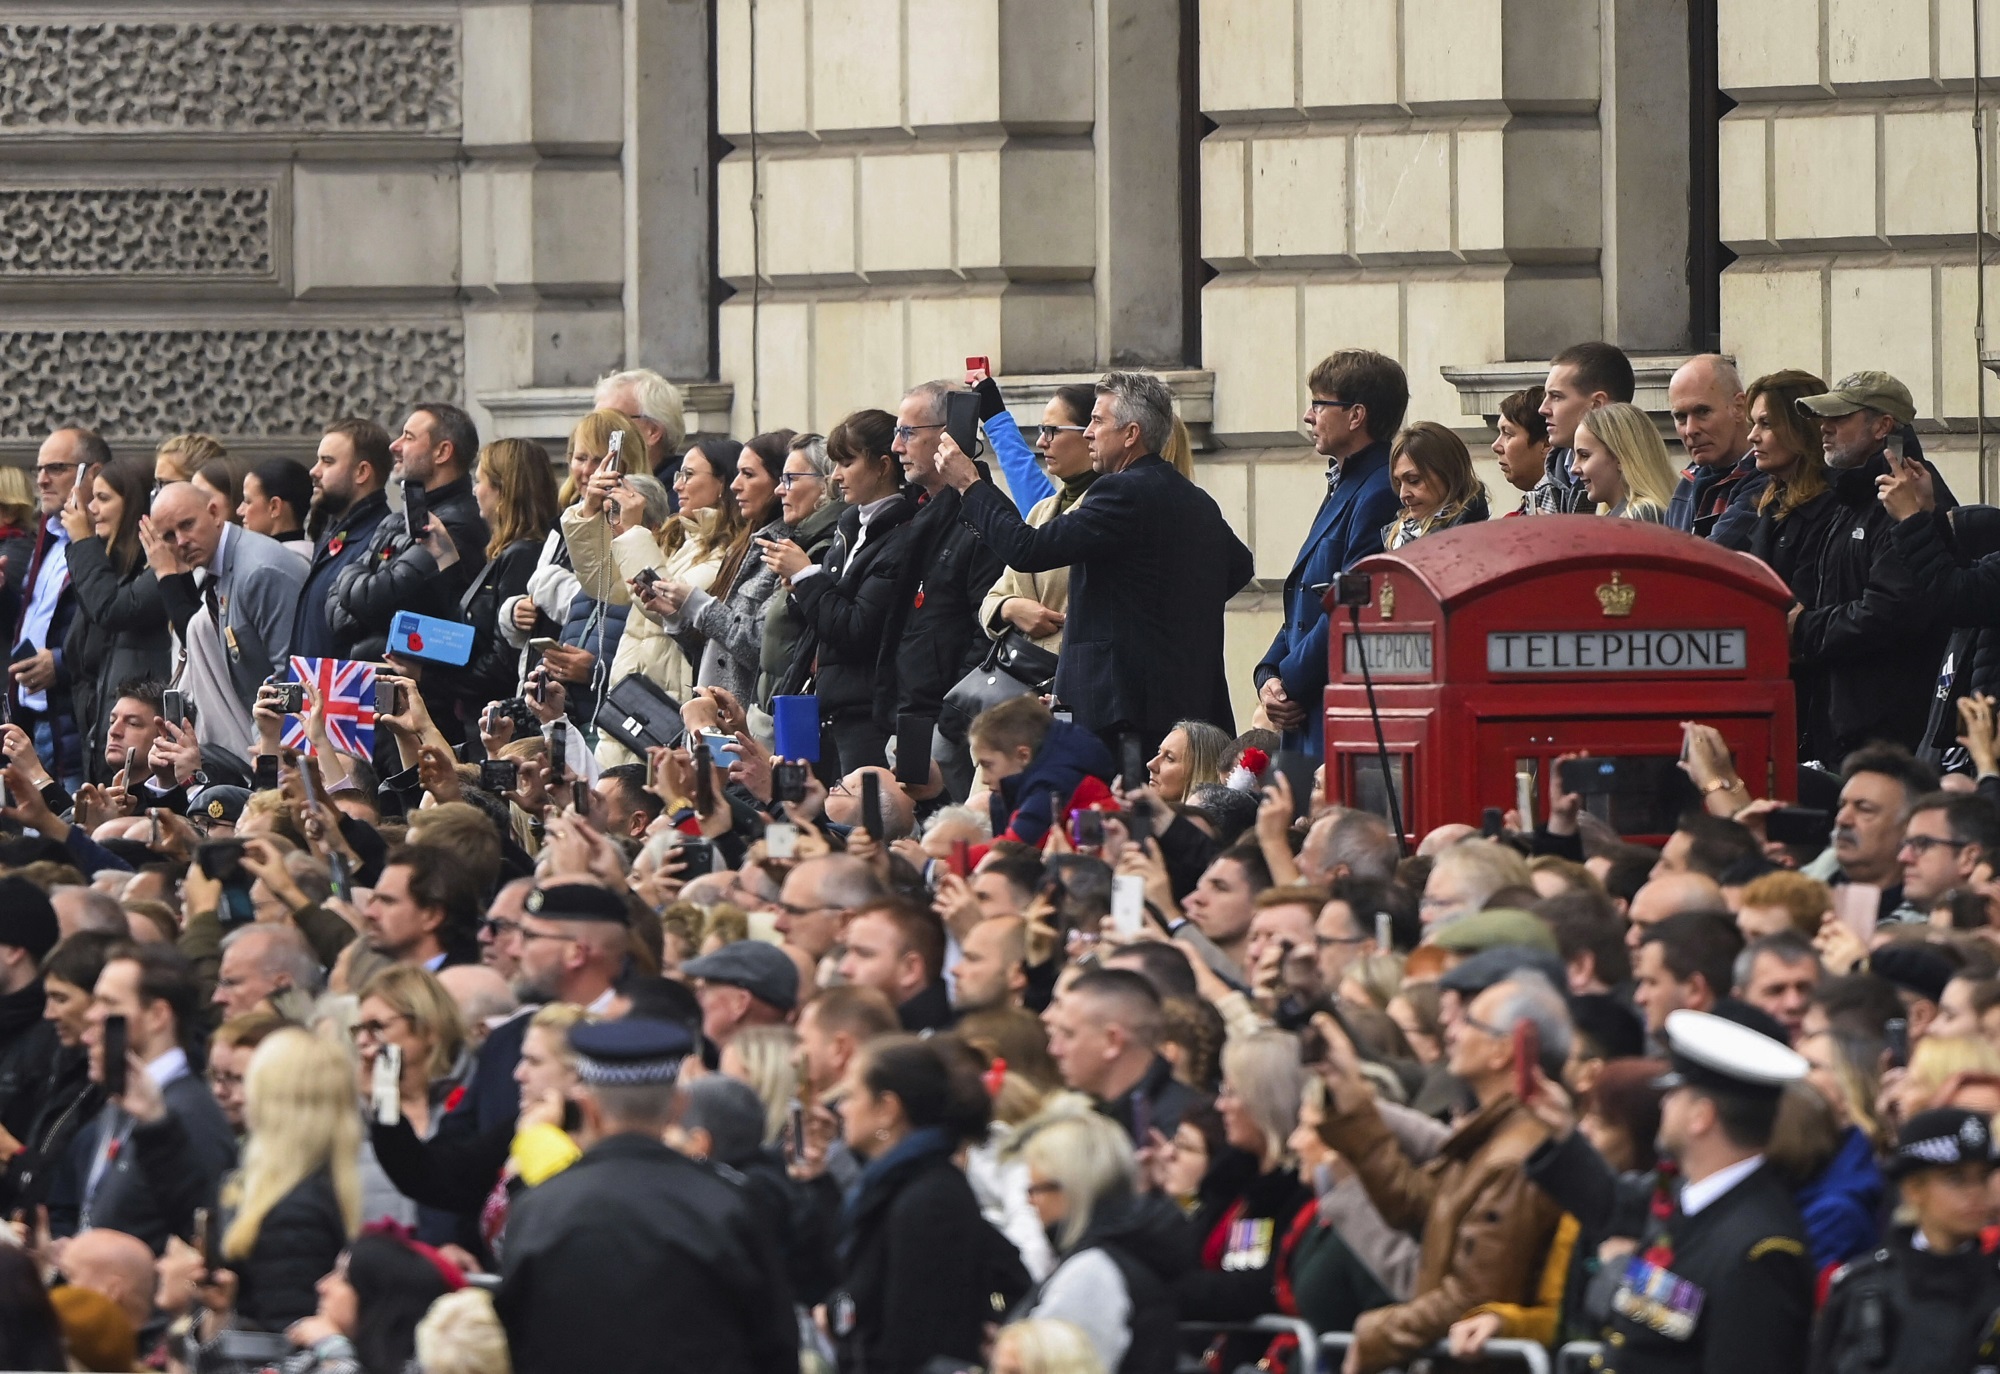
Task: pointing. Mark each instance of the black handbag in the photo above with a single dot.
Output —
(1013, 667)
(640, 715)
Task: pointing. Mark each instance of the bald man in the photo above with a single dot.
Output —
(992, 967)
(483, 997)
(899, 813)
(1718, 491)
(244, 587)
(114, 1264)
(1669, 895)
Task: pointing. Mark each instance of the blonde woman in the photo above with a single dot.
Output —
(461, 1334)
(179, 457)
(406, 1006)
(1083, 1182)
(1431, 471)
(766, 1058)
(1623, 463)
(296, 1202)
(615, 535)
(1044, 1347)
(553, 586)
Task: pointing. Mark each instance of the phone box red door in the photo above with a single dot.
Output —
(1496, 648)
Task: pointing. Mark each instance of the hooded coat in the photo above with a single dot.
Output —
(1117, 1283)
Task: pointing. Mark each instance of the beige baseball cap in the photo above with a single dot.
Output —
(1863, 391)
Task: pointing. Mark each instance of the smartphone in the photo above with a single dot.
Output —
(913, 750)
(538, 684)
(315, 783)
(1804, 825)
(1527, 1058)
(1492, 822)
(388, 697)
(961, 858)
(1128, 905)
(719, 743)
(1896, 1040)
(614, 446)
(704, 779)
(1524, 798)
(697, 858)
(499, 775)
(1132, 772)
(541, 644)
(416, 512)
(977, 364)
(795, 1132)
(1138, 825)
(643, 579)
(153, 829)
(1858, 906)
(1086, 830)
(116, 1046)
(961, 420)
(174, 706)
(871, 806)
(288, 697)
(1384, 929)
(264, 775)
(220, 860)
(204, 1240)
(385, 1085)
(340, 877)
(555, 735)
(489, 722)
(788, 780)
(781, 840)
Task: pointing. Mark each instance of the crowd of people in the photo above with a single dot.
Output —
(824, 915)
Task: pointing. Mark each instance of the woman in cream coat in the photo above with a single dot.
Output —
(1034, 603)
(686, 547)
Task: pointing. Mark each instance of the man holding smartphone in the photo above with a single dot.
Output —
(1865, 652)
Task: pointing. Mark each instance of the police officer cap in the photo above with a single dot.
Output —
(1938, 1139)
(1715, 1054)
(577, 902)
(760, 968)
(623, 1054)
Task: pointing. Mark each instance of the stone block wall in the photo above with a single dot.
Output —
(1848, 192)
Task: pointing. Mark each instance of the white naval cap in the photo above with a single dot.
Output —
(1715, 1052)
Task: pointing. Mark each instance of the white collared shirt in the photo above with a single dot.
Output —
(39, 618)
(168, 1068)
(1696, 1196)
(601, 1004)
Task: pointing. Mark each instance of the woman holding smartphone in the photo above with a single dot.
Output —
(119, 632)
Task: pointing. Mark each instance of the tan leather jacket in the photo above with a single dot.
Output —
(1486, 1229)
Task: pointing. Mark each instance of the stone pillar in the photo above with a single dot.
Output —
(543, 201)
(1137, 143)
(669, 203)
(1644, 118)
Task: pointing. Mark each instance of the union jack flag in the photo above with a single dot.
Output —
(348, 689)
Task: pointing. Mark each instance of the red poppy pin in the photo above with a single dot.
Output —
(335, 545)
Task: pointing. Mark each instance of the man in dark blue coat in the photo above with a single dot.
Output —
(1358, 400)
(348, 476)
(1152, 565)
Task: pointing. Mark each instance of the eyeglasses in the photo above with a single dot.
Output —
(1468, 1019)
(1921, 845)
(1326, 941)
(54, 468)
(799, 912)
(787, 480)
(374, 1030)
(496, 926)
(217, 1079)
(1317, 404)
(1048, 433)
(909, 432)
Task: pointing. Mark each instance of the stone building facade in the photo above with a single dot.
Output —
(253, 217)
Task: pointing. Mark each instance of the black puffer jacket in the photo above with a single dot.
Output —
(851, 611)
(119, 635)
(296, 1246)
(1866, 648)
(1941, 552)
(393, 574)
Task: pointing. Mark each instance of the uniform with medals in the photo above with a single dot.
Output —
(1721, 1282)
(1912, 1307)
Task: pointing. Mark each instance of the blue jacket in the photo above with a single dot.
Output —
(1026, 482)
(1840, 1204)
(1719, 504)
(1069, 754)
(1348, 527)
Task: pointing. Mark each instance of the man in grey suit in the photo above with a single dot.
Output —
(247, 586)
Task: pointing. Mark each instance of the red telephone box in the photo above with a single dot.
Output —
(1496, 648)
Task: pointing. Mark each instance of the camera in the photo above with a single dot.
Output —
(288, 698)
(499, 775)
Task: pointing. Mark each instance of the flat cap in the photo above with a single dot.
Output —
(1863, 391)
(761, 969)
(1912, 968)
(620, 1054)
(1505, 925)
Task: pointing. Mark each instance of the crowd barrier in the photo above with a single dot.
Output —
(1531, 1354)
(1575, 1357)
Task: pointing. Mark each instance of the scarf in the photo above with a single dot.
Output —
(1073, 489)
(917, 1145)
